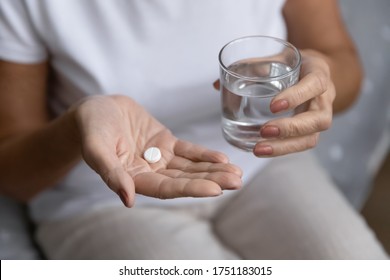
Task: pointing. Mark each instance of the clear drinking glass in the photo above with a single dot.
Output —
(253, 70)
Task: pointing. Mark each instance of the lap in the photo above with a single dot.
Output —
(291, 210)
(137, 233)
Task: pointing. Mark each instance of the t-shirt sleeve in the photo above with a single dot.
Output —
(19, 41)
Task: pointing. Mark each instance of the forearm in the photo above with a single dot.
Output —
(33, 161)
(317, 25)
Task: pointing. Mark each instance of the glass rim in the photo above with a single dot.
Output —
(260, 79)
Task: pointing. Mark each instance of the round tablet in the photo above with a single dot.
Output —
(152, 155)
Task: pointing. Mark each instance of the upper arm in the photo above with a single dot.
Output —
(316, 24)
(23, 97)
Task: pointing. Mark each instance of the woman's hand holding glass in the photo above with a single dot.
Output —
(311, 98)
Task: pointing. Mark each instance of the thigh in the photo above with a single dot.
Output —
(137, 233)
(292, 210)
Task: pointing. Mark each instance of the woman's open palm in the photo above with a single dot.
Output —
(115, 131)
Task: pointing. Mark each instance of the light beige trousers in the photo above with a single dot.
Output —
(291, 210)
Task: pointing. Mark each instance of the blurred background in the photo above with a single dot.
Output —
(355, 150)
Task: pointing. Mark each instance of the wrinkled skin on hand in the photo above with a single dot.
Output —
(311, 99)
(114, 132)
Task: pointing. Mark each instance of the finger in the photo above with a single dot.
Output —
(197, 153)
(278, 147)
(301, 124)
(101, 158)
(310, 86)
(223, 179)
(217, 84)
(189, 166)
(163, 187)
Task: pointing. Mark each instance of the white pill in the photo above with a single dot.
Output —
(152, 155)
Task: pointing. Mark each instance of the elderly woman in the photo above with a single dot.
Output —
(87, 86)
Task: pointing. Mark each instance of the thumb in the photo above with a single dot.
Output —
(217, 85)
(118, 180)
(106, 163)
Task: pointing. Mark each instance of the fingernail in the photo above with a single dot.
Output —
(269, 131)
(263, 150)
(216, 84)
(279, 105)
(123, 196)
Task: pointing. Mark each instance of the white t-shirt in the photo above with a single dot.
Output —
(162, 53)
